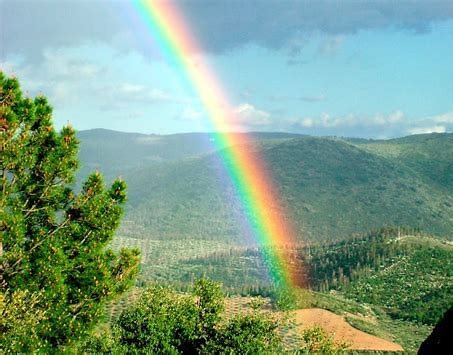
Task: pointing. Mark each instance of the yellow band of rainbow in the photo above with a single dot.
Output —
(248, 171)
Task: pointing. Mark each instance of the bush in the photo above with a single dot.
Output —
(163, 321)
(254, 333)
(160, 321)
(316, 341)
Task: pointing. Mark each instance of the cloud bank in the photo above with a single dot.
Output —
(394, 124)
(29, 26)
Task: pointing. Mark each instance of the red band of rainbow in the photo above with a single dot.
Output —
(248, 171)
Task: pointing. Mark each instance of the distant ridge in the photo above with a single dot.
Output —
(332, 186)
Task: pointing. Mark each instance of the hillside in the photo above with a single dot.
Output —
(408, 277)
(429, 155)
(332, 188)
(116, 152)
(394, 284)
(417, 285)
(337, 189)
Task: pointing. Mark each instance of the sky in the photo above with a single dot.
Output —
(372, 69)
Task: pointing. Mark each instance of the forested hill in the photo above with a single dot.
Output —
(410, 275)
(429, 155)
(117, 152)
(333, 187)
(401, 270)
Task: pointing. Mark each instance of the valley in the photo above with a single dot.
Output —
(374, 221)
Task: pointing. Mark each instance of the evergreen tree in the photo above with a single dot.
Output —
(52, 240)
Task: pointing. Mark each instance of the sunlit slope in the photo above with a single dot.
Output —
(335, 188)
(332, 188)
(429, 155)
(416, 285)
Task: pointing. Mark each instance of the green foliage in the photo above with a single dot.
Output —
(209, 305)
(118, 152)
(163, 321)
(316, 341)
(417, 286)
(336, 303)
(341, 262)
(409, 335)
(20, 316)
(253, 333)
(417, 152)
(257, 303)
(54, 240)
(102, 344)
(284, 299)
(186, 217)
(409, 276)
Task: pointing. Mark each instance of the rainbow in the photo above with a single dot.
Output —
(247, 170)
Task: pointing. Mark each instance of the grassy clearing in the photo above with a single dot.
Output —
(409, 335)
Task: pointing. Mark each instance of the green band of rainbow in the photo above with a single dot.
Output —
(246, 168)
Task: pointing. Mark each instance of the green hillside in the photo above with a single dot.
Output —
(335, 189)
(410, 277)
(118, 152)
(332, 188)
(429, 155)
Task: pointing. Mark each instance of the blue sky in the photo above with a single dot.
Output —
(362, 69)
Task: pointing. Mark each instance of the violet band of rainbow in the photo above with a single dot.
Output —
(248, 171)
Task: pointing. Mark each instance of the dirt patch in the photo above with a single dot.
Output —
(336, 326)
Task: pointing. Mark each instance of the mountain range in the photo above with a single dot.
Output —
(332, 187)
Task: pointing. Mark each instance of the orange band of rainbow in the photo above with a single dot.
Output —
(248, 171)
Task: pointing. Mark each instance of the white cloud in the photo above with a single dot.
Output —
(128, 96)
(140, 93)
(393, 124)
(9, 67)
(296, 43)
(327, 121)
(307, 122)
(249, 115)
(425, 130)
(239, 118)
(396, 116)
(306, 98)
(246, 116)
(435, 124)
(62, 94)
(61, 76)
(95, 86)
(444, 118)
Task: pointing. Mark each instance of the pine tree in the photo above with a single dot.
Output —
(53, 240)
